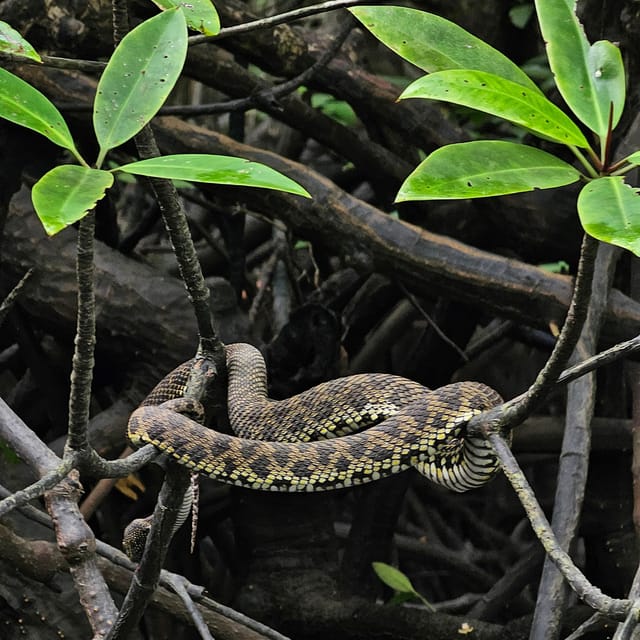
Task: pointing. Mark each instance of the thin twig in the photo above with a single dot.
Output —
(612, 607)
(166, 577)
(35, 490)
(146, 579)
(270, 94)
(511, 413)
(439, 332)
(272, 21)
(574, 457)
(609, 356)
(594, 623)
(626, 629)
(178, 585)
(11, 297)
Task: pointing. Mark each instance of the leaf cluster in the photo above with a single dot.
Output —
(464, 70)
(134, 85)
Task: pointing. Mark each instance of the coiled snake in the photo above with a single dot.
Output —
(387, 423)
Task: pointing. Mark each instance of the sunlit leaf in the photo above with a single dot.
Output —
(435, 44)
(138, 78)
(201, 15)
(590, 78)
(497, 96)
(67, 193)
(609, 210)
(12, 42)
(215, 169)
(484, 168)
(23, 104)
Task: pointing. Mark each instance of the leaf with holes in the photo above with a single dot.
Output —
(23, 104)
(138, 78)
(484, 168)
(590, 78)
(201, 15)
(214, 169)
(435, 44)
(12, 42)
(499, 97)
(609, 210)
(67, 193)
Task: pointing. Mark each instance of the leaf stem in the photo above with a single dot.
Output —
(622, 168)
(79, 158)
(583, 161)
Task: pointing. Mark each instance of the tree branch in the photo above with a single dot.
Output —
(612, 607)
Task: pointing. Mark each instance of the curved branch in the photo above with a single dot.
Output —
(513, 412)
(574, 456)
(612, 607)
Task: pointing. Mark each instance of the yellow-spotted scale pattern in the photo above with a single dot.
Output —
(386, 424)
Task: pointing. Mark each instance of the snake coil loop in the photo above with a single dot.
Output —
(387, 423)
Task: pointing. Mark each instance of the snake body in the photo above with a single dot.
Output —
(386, 424)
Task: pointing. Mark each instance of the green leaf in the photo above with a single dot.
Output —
(484, 168)
(215, 169)
(12, 42)
(503, 98)
(201, 15)
(634, 158)
(7, 454)
(23, 104)
(609, 210)
(339, 110)
(435, 44)
(590, 78)
(138, 78)
(555, 267)
(400, 597)
(393, 578)
(67, 193)
(520, 15)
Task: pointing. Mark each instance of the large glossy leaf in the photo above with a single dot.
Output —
(485, 168)
(23, 104)
(138, 78)
(609, 210)
(11, 41)
(201, 15)
(492, 94)
(435, 44)
(590, 78)
(67, 193)
(214, 169)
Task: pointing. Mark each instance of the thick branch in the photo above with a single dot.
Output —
(428, 263)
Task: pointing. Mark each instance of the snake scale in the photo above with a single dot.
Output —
(340, 433)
